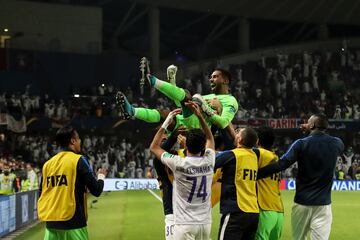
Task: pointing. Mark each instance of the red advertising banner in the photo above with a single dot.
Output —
(285, 123)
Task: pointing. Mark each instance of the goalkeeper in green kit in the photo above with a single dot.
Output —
(219, 107)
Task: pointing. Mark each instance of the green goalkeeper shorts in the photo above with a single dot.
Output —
(71, 234)
(270, 225)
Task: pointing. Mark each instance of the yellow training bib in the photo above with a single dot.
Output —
(245, 179)
(57, 200)
(269, 188)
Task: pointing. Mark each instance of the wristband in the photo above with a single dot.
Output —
(101, 176)
(167, 121)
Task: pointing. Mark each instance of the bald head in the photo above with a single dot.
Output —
(318, 121)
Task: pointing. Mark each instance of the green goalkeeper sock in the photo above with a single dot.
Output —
(173, 92)
(147, 115)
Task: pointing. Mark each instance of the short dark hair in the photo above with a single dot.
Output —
(219, 142)
(321, 121)
(63, 136)
(249, 137)
(195, 140)
(266, 137)
(225, 73)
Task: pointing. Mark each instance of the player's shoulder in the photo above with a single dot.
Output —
(226, 154)
(210, 155)
(209, 96)
(232, 100)
(230, 97)
(265, 151)
(299, 142)
(209, 152)
(336, 139)
(338, 142)
(267, 155)
(169, 155)
(227, 98)
(83, 164)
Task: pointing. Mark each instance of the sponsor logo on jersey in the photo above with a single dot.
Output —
(249, 174)
(56, 180)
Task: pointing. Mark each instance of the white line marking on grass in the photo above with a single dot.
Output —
(155, 195)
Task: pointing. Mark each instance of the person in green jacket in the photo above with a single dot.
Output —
(219, 107)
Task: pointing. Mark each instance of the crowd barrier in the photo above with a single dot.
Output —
(118, 184)
(338, 185)
(17, 211)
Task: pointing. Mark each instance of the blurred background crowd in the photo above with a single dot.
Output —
(284, 86)
(283, 67)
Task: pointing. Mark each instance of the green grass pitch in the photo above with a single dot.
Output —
(131, 215)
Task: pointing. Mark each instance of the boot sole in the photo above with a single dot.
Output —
(120, 102)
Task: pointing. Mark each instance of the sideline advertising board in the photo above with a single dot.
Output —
(118, 184)
(344, 185)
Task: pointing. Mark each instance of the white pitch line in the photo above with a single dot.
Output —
(155, 195)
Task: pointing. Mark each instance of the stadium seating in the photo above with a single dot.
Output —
(282, 86)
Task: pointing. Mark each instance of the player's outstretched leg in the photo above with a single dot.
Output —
(130, 112)
(173, 92)
(168, 89)
(171, 74)
(126, 108)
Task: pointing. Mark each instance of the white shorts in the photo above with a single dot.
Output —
(192, 232)
(315, 220)
(169, 227)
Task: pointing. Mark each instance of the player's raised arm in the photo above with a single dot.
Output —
(155, 146)
(210, 142)
(227, 114)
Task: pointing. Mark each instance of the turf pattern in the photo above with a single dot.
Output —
(132, 215)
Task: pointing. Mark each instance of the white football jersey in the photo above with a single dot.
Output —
(191, 186)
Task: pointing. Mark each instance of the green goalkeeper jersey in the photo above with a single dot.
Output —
(229, 108)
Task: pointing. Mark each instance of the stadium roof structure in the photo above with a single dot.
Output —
(321, 11)
(197, 29)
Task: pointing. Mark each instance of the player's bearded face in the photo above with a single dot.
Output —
(216, 80)
(307, 127)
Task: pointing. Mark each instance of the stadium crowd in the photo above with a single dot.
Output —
(17, 175)
(120, 156)
(284, 86)
(316, 83)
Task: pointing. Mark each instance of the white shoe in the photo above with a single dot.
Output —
(171, 74)
(199, 100)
